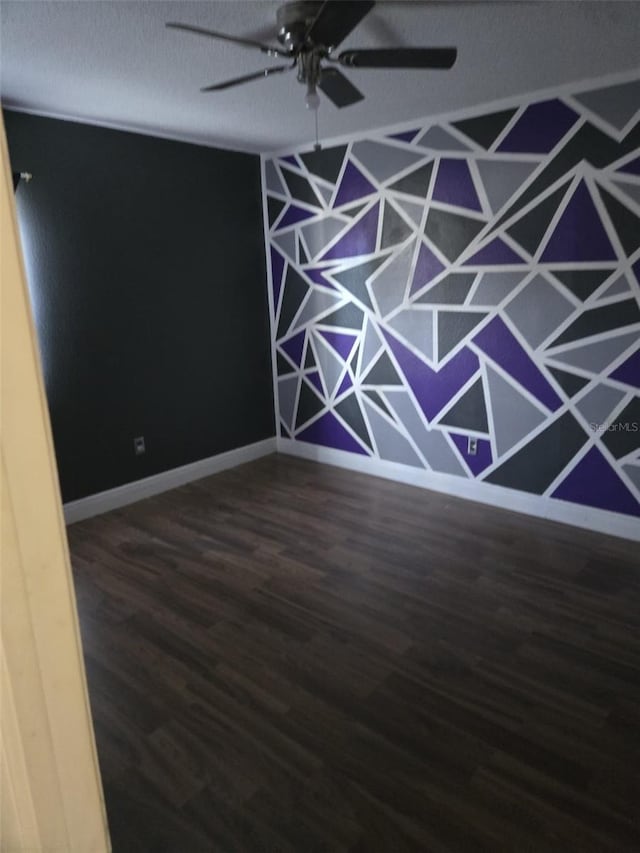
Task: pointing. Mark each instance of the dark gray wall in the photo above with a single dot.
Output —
(145, 261)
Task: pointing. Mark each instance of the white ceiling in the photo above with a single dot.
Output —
(115, 63)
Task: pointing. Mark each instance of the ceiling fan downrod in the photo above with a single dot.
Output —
(309, 72)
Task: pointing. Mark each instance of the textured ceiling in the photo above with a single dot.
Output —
(115, 63)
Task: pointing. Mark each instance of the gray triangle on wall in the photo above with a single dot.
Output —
(388, 287)
(570, 383)
(439, 139)
(394, 227)
(595, 357)
(416, 183)
(375, 397)
(633, 473)
(287, 392)
(392, 445)
(416, 327)
(538, 310)
(502, 178)
(630, 190)
(354, 278)
(413, 209)
(302, 255)
(470, 411)
(486, 128)
(599, 402)
(371, 346)
(350, 411)
(616, 105)
(617, 288)
(453, 327)
(582, 282)
(320, 233)
(317, 303)
(274, 182)
(325, 192)
(353, 211)
(326, 163)
(383, 372)
(382, 161)
(514, 416)
(453, 289)
(495, 286)
(287, 242)
(432, 443)
(329, 364)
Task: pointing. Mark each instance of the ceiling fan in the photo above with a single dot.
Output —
(308, 32)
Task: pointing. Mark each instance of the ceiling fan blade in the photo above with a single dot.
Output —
(247, 78)
(336, 19)
(260, 33)
(340, 91)
(200, 31)
(400, 57)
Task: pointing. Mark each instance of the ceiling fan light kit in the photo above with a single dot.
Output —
(308, 32)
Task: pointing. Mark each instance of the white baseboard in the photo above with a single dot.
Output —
(599, 520)
(140, 489)
(602, 521)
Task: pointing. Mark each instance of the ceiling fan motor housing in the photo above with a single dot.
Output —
(294, 20)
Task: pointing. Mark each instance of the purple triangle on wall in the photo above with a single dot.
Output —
(277, 267)
(539, 128)
(636, 270)
(359, 240)
(344, 385)
(295, 214)
(329, 432)
(317, 276)
(481, 460)
(433, 389)
(315, 379)
(353, 186)
(405, 136)
(631, 168)
(454, 185)
(629, 371)
(291, 158)
(341, 342)
(495, 252)
(498, 343)
(427, 268)
(579, 235)
(294, 347)
(594, 482)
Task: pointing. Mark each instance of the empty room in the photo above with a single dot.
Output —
(320, 426)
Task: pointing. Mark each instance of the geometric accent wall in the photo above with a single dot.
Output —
(469, 281)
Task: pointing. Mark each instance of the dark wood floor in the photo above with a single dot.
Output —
(291, 657)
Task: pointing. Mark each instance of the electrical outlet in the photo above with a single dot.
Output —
(138, 445)
(472, 446)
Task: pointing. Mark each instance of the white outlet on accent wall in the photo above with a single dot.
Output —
(138, 445)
